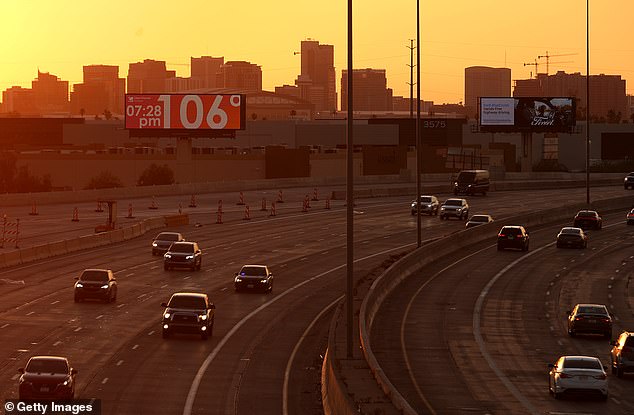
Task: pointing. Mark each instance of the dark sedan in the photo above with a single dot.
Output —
(588, 219)
(164, 240)
(256, 277)
(183, 254)
(590, 318)
(98, 284)
(47, 378)
(630, 217)
(572, 237)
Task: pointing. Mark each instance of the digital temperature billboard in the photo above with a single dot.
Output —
(185, 112)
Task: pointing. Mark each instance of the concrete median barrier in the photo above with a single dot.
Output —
(12, 258)
(57, 248)
(176, 220)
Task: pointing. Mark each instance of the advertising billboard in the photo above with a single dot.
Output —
(184, 113)
(527, 114)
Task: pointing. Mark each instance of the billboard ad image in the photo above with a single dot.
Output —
(185, 111)
(528, 114)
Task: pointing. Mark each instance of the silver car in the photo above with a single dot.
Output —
(457, 208)
(578, 374)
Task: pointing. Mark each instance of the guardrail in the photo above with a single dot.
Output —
(402, 269)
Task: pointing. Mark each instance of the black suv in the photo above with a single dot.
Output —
(188, 313)
(99, 284)
(428, 204)
(622, 354)
(183, 254)
(513, 237)
(163, 240)
(47, 377)
(588, 219)
(628, 181)
(257, 277)
(590, 318)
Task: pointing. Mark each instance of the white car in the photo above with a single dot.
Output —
(580, 374)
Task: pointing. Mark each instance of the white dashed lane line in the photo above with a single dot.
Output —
(99, 316)
(120, 305)
(151, 333)
(136, 346)
(141, 296)
(30, 313)
(104, 381)
(77, 329)
(131, 274)
(120, 362)
(55, 302)
(57, 343)
(4, 326)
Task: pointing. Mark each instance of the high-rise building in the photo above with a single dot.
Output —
(148, 77)
(240, 76)
(19, 100)
(206, 69)
(317, 81)
(101, 91)
(51, 94)
(607, 92)
(370, 91)
(483, 81)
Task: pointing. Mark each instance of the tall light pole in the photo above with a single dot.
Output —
(349, 195)
(418, 140)
(588, 102)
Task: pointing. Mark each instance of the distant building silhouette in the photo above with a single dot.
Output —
(607, 92)
(483, 81)
(240, 75)
(48, 95)
(206, 69)
(101, 90)
(401, 104)
(148, 76)
(18, 100)
(369, 88)
(317, 82)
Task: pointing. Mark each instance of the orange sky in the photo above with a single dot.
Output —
(61, 36)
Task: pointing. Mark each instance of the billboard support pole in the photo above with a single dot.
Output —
(527, 152)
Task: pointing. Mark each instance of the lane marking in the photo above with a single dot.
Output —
(151, 333)
(99, 316)
(4, 325)
(164, 285)
(55, 302)
(104, 381)
(57, 343)
(141, 296)
(193, 390)
(120, 305)
(77, 329)
(287, 371)
(131, 274)
(120, 362)
(30, 313)
(136, 346)
(14, 377)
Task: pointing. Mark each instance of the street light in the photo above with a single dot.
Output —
(588, 102)
(418, 140)
(349, 197)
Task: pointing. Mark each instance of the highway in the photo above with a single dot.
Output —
(264, 355)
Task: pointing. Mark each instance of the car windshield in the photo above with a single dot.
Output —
(592, 310)
(253, 271)
(187, 301)
(94, 275)
(425, 199)
(479, 218)
(167, 237)
(629, 341)
(587, 214)
(453, 202)
(571, 231)
(466, 177)
(572, 363)
(47, 366)
(182, 248)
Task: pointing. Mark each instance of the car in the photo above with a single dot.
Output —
(257, 277)
(622, 354)
(453, 207)
(628, 181)
(590, 318)
(573, 237)
(630, 217)
(47, 378)
(588, 219)
(478, 220)
(184, 255)
(513, 236)
(470, 182)
(188, 312)
(428, 204)
(163, 240)
(578, 374)
(95, 283)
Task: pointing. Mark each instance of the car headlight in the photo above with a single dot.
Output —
(104, 286)
(238, 279)
(79, 285)
(263, 280)
(154, 244)
(203, 317)
(413, 204)
(166, 315)
(189, 257)
(168, 256)
(442, 208)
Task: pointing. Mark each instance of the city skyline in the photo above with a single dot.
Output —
(486, 33)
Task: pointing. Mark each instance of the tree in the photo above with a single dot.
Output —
(104, 180)
(8, 170)
(24, 182)
(156, 175)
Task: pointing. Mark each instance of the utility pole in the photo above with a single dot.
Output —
(411, 65)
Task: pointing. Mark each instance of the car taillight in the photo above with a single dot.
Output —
(501, 235)
(579, 318)
(606, 320)
(602, 376)
(564, 375)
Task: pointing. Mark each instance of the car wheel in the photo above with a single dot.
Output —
(619, 372)
(557, 395)
(200, 265)
(114, 299)
(571, 333)
(166, 334)
(525, 247)
(270, 290)
(204, 335)
(558, 245)
(613, 369)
